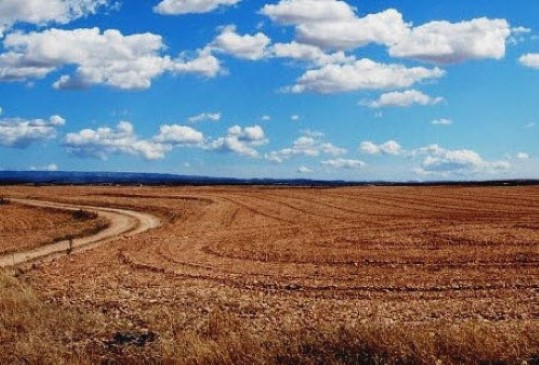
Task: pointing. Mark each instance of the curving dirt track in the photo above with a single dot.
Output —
(122, 221)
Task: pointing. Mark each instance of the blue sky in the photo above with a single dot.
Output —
(360, 90)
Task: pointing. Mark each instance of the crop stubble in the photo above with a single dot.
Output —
(310, 258)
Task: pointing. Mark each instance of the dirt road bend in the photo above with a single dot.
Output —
(122, 222)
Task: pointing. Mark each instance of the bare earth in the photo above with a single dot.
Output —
(410, 274)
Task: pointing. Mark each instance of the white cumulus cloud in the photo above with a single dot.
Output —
(333, 24)
(344, 164)
(250, 47)
(363, 74)
(308, 53)
(445, 42)
(384, 28)
(530, 60)
(42, 12)
(292, 12)
(107, 58)
(404, 99)
(178, 7)
(104, 141)
(308, 145)
(242, 141)
(444, 162)
(178, 135)
(21, 133)
(387, 148)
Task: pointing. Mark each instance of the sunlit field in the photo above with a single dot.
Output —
(243, 275)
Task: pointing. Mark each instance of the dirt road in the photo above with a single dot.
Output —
(122, 222)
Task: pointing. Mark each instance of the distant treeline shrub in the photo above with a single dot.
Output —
(83, 215)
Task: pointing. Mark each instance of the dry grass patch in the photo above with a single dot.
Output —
(33, 332)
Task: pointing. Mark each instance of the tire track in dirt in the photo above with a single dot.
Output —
(122, 222)
(349, 242)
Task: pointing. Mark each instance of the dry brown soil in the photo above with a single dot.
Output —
(445, 266)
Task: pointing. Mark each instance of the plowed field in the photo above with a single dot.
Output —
(412, 274)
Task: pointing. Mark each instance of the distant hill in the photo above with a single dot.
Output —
(128, 178)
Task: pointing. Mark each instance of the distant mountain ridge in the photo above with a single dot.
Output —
(135, 178)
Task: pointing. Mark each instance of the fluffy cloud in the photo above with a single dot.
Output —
(384, 28)
(178, 7)
(363, 74)
(250, 47)
(41, 12)
(404, 99)
(387, 148)
(445, 42)
(202, 117)
(20, 133)
(438, 161)
(292, 12)
(522, 156)
(178, 135)
(108, 57)
(341, 163)
(442, 121)
(332, 24)
(530, 60)
(308, 53)
(443, 162)
(240, 140)
(104, 141)
(308, 145)
(204, 64)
